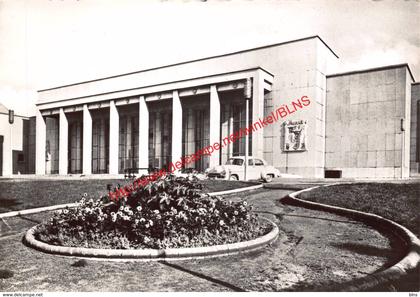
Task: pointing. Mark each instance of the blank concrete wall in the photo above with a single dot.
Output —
(414, 139)
(363, 123)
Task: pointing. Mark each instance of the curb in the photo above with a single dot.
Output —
(61, 206)
(35, 210)
(155, 254)
(237, 190)
(408, 263)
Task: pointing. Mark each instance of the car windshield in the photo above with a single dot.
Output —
(234, 161)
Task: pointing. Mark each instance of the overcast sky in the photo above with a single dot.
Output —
(49, 43)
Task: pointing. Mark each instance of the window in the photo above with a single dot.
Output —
(258, 162)
(234, 161)
(21, 157)
(129, 142)
(332, 173)
(250, 162)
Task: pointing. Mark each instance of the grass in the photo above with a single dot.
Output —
(224, 185)
(305, 257)
(397, 202)
(18, 194)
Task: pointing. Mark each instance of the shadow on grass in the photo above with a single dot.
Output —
(9, 203)
(203, 276)
(280, 216)
(368, 250)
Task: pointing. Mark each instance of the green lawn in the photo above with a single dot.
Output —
(397, 202)
(18, 194)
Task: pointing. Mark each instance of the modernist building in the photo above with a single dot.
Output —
(359, 124)
(17, 143)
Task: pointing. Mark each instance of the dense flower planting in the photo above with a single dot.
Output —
(165, 213)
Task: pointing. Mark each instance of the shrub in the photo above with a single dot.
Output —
(169, 212)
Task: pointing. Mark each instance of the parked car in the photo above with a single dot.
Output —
(187, 172)
(234, 170)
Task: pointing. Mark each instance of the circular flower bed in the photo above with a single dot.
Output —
(169, 212)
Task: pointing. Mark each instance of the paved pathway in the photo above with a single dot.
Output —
(314, 252)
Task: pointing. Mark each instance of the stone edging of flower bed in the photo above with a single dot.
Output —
(155, 254)
(61, 206)
(35, 210)
(409, 262)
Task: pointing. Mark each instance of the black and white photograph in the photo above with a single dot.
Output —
(187, 146)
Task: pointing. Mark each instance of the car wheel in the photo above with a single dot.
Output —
(233, 177)
(268, 178)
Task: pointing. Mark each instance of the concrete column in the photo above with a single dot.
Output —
(143, 135)
(114, 121)
(87, 140)
(214, 124)
(247, 123)
(230, 131)
(176, 128)
(63, 143)
(40, 144)
(257, 113)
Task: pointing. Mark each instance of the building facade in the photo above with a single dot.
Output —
(153, 117)
(17, 143)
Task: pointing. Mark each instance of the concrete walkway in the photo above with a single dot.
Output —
(316, 251)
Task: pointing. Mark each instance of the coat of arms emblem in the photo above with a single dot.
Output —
(295, 136)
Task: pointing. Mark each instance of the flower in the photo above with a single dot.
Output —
(126, 209)
(235, 212)
(245, 203)
(121, 207)
(151, 222)
(221, 222)
(138, 208)
(85, 195)
(142, 220)
(156, 211)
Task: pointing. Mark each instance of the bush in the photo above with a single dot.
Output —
(166, 213)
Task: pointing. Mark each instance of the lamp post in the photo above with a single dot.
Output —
(247, 95)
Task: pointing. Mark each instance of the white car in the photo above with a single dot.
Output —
(234, 169)
(188, 172)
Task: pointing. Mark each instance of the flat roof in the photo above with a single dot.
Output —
(165, 83)
(196, 60)
(374, 69)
